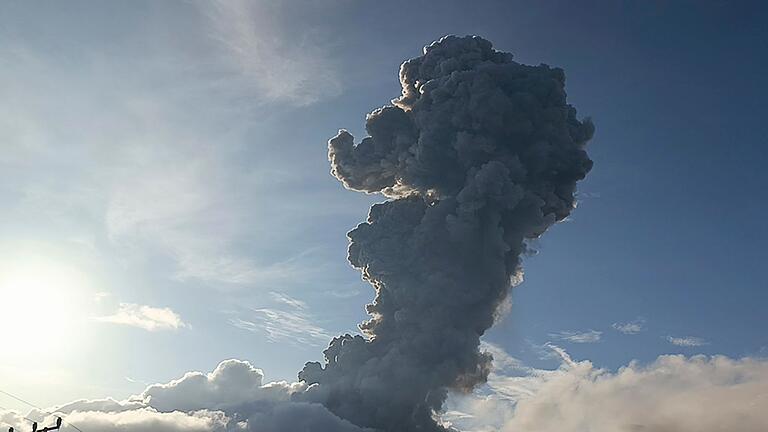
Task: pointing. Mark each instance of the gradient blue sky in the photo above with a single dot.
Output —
(173, 155)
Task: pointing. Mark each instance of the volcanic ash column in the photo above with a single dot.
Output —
(477, 156)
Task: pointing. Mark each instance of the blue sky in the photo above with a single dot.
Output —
(166, 163)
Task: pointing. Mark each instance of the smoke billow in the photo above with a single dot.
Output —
(478, 155)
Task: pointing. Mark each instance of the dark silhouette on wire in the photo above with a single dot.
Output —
(45, 429)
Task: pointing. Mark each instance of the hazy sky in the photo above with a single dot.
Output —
(166, 202)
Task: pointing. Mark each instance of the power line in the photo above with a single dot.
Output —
(36, 407)
(20, 400)
(25, 418)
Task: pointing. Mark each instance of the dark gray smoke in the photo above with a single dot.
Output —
(478, 155)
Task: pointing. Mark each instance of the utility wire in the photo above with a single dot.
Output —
(36, 407)
(25, 418)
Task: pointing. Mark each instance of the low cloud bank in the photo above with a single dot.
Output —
(674, 393)
(231, 398)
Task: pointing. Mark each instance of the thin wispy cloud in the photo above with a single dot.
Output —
(135, 381)
(562, 354)
(342, 293)
(288, 300)
(171, 188)
(183, 207)
(589, 336)
(630, 328)
(235, 269)
(689, 341)
(284, 64)
(288, 321)
(295, 327)
(144, 317)
(159, 188)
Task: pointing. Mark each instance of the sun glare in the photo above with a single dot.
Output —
(40, 305)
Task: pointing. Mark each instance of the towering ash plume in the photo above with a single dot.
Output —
(478, 155)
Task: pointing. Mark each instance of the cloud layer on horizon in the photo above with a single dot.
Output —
(232, 397)
(673, 393)
(684, 394)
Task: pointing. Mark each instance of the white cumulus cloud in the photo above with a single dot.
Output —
(232, 383)
(144, 317)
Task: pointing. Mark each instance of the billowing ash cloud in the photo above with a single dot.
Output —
(478, 155)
